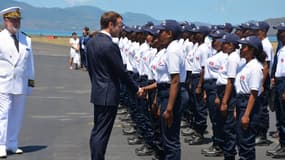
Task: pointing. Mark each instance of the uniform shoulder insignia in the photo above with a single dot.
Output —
(26, 34)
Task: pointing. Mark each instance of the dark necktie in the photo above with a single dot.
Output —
(15, 41)
(274, 65)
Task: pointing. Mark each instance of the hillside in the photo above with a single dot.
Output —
(273, 22)
(67, 19)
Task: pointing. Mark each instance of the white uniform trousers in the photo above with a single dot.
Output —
(11, 115)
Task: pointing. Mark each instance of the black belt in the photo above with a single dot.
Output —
(210, 80)
(196, 75)
(144, 76)
(278, 79)
(167, 85)
(243, 96)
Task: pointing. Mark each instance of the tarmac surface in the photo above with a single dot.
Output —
(59, 117)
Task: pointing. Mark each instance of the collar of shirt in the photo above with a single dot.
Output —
(107, 33)
(17, 33)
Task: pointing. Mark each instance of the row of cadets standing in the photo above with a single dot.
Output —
(141, 55)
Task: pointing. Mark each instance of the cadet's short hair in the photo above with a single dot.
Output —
(107, 17)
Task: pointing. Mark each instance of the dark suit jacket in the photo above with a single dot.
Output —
(106, 70)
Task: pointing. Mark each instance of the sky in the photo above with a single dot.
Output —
(208, 11)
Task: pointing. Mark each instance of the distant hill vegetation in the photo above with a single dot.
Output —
(75, 18)
(65, 19)
(273, 22)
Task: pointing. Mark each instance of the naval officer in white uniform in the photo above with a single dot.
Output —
(16, 79)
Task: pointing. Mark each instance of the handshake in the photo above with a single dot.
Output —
(141, 92)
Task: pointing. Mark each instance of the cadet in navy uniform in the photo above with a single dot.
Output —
(227, 94)
(16, 79)
(278, 81)
(106, 70)
(212, 69)
(172, 94)
(261, 28)
(248, 84)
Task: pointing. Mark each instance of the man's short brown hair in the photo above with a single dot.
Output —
(107, 17)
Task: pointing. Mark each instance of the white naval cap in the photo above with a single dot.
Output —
(11, 12)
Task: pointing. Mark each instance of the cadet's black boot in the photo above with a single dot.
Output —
(197, 139)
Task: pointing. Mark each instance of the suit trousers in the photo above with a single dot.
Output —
(11, 115)
(104, 117)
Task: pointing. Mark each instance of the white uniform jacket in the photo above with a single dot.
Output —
(16, 68)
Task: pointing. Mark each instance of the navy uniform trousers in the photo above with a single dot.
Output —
(228, 125)
(214, 112)
(246, 137)
(263, 125)
(280, 108)
(171, 136)
(199, 108)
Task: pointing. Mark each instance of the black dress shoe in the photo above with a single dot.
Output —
(129, 131)
(197, 139)
(261, 141)
(135, 141)
(215, 151)
(280, 153)
(187, 131)
(274, 150)
(146, 151)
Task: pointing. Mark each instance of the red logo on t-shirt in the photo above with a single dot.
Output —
(212, 63)
(144, 58)
(154, 67)
(242, 77)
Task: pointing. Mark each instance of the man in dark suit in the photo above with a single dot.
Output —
(106, 71)
(82, 47)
